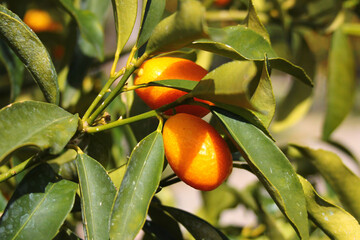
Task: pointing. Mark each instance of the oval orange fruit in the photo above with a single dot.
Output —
(196, 152)
(162, 68)
(40, 21)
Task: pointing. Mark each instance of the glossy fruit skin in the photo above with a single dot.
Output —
(196, 152)
(222, 3)
(41, 21)
(162, 68)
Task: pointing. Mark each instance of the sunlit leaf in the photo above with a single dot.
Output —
(28, 47)
(92, 41)
(199, 228)
(125, 15)
(40, 196)
(15, 69)
(271, 167)
(40, 124)
(253, 22)
(342, 180)
(153, 15)
(227, 84)
(263, 97)
(341, 82)
(241, 43)
(138, 187)
(333, 220)
(179, 29)
(97, 197)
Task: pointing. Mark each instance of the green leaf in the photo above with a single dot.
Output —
(99, 8)
(118, 175)
(179, 29)
(66, 234)
(341, 83)
(28, 47)
(271, 167)
(228, 84)
(241, 43)
(97, 196)
(92, 35)
(138, 187)
(181, 84)
(125, 15)
(333, 220)
(15, 69)
(152, 17)
(38, 207)
(198, 228)
(253, 22)
(342, 180)
(263, 97)
(40, 124)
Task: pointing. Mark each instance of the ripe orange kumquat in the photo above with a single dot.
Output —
(41, 21)
(162, 68)
(196, 152)
(222, 3)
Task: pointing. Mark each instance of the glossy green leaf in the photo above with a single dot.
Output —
(342, 180)
(97, 196)
(333, 220)
(341, 82)
(179, 29)
(199, 228)
(28, 47)
(92, 34)
(228, 84)
(241, 43)
(40, 196)
(271, 167)
(299, 98)
(152, 17)
(125, 15)
(263, 97)
(15, 69)
(40, 124)
(181, 84)
(138, 187)
(253, 22)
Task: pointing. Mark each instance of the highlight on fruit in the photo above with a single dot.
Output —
(163, 68)
(196, 152)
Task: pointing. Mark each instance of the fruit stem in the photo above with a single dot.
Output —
(120, 122)
(169, 182)
(19, 168)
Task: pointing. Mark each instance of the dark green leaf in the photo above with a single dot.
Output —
(179, 29)
(263, 97)
(333, 220)
(92, 35)
(228, 84)
(125, 15)
(138, 187)
(241, 43)
(66, 234)
(253, 22)
(38, 124)
(344, 182)
(28, 47)
(152, 17)
(341, 82)
(272, 168)
(198, 228)
(38, 207)
(97, 196)
(15, 69)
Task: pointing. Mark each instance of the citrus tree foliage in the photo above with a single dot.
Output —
(79, 147)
